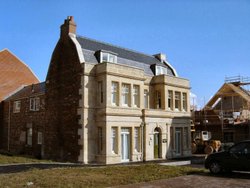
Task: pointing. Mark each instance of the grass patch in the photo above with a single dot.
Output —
(5, 159)
(94, 177)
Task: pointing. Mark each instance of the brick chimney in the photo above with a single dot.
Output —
(69, 26)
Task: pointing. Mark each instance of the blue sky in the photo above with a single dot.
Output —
(204, 40)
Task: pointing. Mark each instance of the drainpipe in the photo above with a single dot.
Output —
(142, 145)
(9, 128)
(142, 134)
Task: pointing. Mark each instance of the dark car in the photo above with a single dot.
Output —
(235, 158)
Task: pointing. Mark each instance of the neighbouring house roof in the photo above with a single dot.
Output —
(29, 91)
(226, 90)
(124, 56)
(13, 74)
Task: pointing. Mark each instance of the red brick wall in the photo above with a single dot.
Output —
(62, 100)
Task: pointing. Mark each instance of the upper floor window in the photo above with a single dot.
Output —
(34, 104)
(145, 98)
(184, 101)
(100, 91)
(136, 95)
(177, 101)
(161, 70)
(170, 99)
(125, 94)
(108, 57)
(158, 99)
(16, 106)
(114, 93)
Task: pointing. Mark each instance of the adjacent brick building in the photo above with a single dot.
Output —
(23, 121)
(14, 74)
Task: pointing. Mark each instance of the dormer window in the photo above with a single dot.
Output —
(160, 70)
(108, 57)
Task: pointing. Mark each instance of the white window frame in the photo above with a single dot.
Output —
(114, 93)
(111, 58)
(136, 96)
(16, 106)
(125, 94)
(159, 70)
(34, 104)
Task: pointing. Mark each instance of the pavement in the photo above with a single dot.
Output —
(204, 180)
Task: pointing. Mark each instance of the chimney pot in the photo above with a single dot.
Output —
(69, 26)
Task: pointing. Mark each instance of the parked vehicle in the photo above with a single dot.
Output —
(236, 158)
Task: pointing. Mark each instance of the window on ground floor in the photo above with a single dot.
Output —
(137, 139)
(114, 140)
(100, 140)
(39, 138)
(29, 136)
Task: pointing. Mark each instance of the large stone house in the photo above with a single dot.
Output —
(107, 104)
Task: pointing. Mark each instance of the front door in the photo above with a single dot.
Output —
(125, 145)
(157, 143)
(178, 141)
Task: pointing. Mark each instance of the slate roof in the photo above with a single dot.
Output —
(124, 56)
(13, 74)
(29, 91)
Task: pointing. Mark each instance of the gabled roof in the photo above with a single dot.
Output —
(13, 74)
(29, 91)
(229, 89)
(124, 56)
